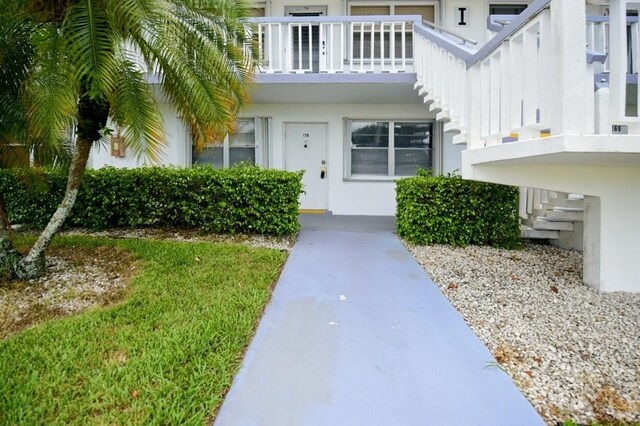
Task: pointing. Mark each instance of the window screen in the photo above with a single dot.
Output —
(242, 144)
(236, 148)
(370, 10)
(427, 12)
(507, 9)
(390, 148)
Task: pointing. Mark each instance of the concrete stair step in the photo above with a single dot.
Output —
(538, 234)
(562, 216)
(568, 209)
(567, 202)
(542, 224)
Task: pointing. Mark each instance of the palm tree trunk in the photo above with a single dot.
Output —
(8, 255)
(33, 265)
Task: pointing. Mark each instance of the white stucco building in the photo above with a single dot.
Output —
(538, 94)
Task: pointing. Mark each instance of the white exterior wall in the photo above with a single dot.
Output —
(276, 8)
(476, 17)
(344, 196)
(338, 7)
(347, 197)
(451, 155)
(177, 152)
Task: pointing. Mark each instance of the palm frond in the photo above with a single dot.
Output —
(129, 16)
(134, 107)
(86, 49)
(49, 95)
(16, 59)
(205, 65)
(91, 42)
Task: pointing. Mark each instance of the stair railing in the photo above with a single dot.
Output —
(532, 80)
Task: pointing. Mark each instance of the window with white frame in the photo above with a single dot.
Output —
(378, 148)
(246, 145)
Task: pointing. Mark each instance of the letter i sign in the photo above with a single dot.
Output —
(462, 16)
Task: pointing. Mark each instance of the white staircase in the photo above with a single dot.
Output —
(553, 216)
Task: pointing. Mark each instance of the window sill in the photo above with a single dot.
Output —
(372, 178)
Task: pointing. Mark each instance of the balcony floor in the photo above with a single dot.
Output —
(336, 88)
(577, 150)
(585, 164)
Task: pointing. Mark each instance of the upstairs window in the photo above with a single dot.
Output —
(506, 9)
(427, 11)
(383, 35)
(388, 148)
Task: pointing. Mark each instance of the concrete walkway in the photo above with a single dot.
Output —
(358, 334)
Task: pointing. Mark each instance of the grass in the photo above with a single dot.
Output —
(165, 355)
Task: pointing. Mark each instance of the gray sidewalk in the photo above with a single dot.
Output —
(357, 334)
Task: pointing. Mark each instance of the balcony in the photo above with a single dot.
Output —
(335, 45)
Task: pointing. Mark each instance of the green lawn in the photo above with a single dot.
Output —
(166, 355)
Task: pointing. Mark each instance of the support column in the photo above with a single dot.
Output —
(568, 41)
(612, 241)
(602, 110)
(591, 242)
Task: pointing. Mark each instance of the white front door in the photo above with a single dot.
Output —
(306, 149)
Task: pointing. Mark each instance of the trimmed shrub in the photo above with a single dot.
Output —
(236, 200)
(452, 210)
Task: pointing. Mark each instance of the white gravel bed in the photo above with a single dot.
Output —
(73, 288)
(65, 289)
(573, 351)
(277, 243)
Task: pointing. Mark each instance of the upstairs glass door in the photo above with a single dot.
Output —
(305, 39)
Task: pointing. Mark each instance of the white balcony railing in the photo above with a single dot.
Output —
(598, 38)
(371, 44)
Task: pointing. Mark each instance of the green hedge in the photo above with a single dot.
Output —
(451, 210)
(237, 200)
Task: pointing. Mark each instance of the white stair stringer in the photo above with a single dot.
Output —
(554, 216)
(461, 138)
(453, 125)
(537, 234)
(443, 115)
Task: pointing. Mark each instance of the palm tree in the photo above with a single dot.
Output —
(80, 63)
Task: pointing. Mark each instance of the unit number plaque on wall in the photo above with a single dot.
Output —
(619, 129)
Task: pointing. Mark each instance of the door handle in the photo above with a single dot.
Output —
(323, 172)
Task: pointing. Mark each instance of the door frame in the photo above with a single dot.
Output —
(306, 10)
(326, 152)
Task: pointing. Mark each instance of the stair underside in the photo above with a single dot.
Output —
(560, 214)
(538, 234)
